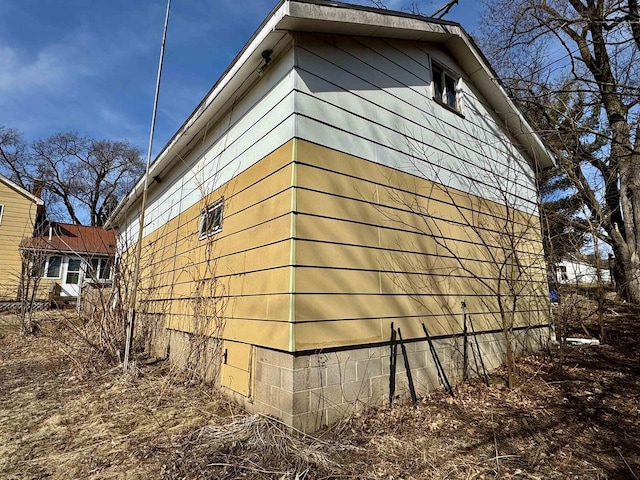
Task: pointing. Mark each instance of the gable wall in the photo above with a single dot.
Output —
(371, 98)
(17, 223)
(364, 256)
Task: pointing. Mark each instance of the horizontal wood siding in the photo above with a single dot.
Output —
(372, 98)
(18, 217)
(257, 123)
(375, 245)
(241, 275)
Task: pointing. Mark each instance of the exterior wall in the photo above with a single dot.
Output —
(47, 284)
(391, 190)
(319, 388)
(375, 246)
(311, 391)
(241, 275)
(575, 272)
(18, 217)
(372, 98)
(351, 200)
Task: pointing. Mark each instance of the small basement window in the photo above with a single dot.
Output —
(444, 87)
(211, 219)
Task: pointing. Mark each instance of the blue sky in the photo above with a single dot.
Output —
(89, 66)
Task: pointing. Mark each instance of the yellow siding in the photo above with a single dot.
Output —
(237, 280)
(363, 258)
(17, 223)
(367, 254)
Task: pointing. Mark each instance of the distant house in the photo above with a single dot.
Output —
(19, 211)
(70, 255)
(282, 221)
(581, 271)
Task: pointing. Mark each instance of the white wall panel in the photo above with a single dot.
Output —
(371, 99)
(259, 122)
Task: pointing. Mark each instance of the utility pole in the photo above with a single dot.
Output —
(136, 271)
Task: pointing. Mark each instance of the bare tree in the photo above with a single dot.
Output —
(574, 66)
(82, 176)
(486, 249)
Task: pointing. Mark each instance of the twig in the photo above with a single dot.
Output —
(259, 470)
(626, 463)
(495, 444)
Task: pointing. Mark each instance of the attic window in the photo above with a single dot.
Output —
(211, 219)
(1, 212)
(445, 87)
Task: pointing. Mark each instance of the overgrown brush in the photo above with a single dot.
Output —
(255, 446)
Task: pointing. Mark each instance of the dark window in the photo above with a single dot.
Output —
(100, 269)
(211, 219)
(444, 87)
(438, 85)
(53, 267)
(1, 212)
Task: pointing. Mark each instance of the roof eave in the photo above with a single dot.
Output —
(339, 18)
(21, 190)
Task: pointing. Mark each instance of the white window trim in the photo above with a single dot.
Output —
(457, 79)
(1, 212)
(219, 204)
(46, 267)
(79, 271)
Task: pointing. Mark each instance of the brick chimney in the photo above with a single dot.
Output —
(41, 213)
(37, 187)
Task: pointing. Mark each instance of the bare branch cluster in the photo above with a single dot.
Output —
(573, 65)
(82, 178)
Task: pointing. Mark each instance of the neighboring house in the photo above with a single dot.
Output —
(571, 270)
(279, 216)
(19, 210)
(69, 256)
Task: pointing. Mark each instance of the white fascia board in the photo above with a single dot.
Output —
(486, 81)
(21, 190)
(348, 19)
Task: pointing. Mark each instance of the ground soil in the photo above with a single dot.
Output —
(577, 420)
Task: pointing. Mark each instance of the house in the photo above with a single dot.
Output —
(19, 210)
(580, 271)
(69, 256)
(335, 182)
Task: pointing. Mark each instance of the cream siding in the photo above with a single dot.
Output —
(258, 122)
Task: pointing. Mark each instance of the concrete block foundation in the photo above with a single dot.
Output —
(313, 390)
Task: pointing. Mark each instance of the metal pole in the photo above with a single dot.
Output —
(465, 347)
(143, 204)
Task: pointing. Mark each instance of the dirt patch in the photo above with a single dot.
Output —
(580, 421)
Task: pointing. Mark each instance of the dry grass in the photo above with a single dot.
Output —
(56, 423)
(581, 421)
